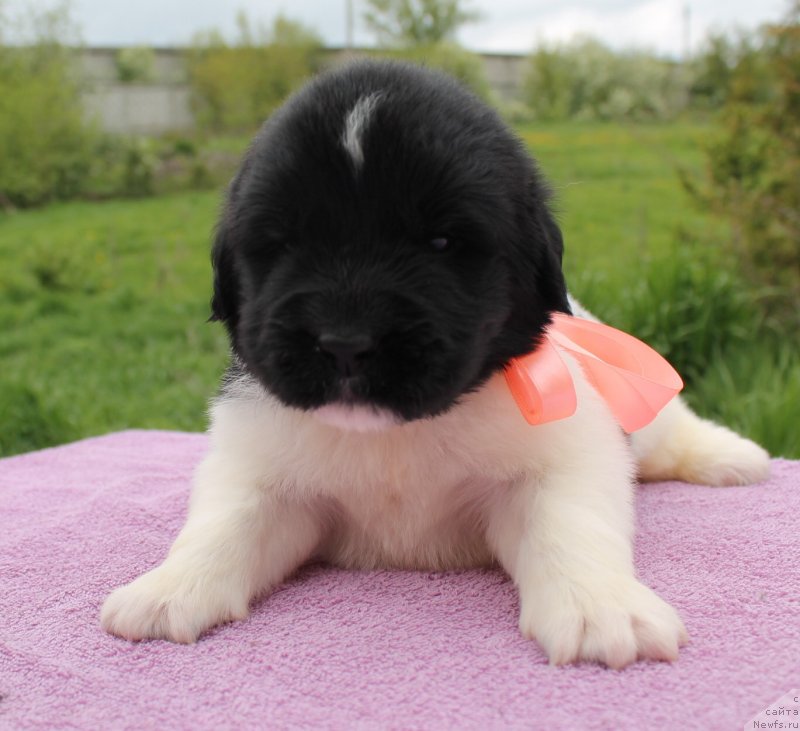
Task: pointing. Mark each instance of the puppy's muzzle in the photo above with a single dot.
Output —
(349, 351)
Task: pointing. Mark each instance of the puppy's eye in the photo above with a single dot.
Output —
(440, 243)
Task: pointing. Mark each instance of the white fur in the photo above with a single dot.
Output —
(679, 445)
(355, 123)
(552, 504)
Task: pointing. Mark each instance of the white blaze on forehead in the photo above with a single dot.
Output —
(355, 123)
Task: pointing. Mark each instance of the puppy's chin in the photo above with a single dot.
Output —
(356, 417)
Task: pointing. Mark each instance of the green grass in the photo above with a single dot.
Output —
(104, 308)
(617, 194)
(103, 305)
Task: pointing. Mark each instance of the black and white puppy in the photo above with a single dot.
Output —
(384, 251)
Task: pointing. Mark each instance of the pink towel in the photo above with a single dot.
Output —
(335, 649)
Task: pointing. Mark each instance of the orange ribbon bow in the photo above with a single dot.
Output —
(635, 381)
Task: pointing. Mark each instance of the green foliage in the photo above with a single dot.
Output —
(36, 422)
(135, 64)
(585, 79)
(729, 67)
(752, 176)
(739, 368)
(422, 31)
(688, 304)
(48, 150)
(620, 204)
(45, 141)
(465, 66)
(755, 390)
(135, 166)
(237, 86)
(416, 22)
(104, 306)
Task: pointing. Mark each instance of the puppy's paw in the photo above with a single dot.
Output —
(679, 445)
(166, 603)
(721, 457)
(615, 622)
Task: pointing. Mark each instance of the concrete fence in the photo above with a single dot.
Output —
(164, 105)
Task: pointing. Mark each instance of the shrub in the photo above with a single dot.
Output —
(755, 390)
(729, 68)
(235, 87)
(45, 140)
(123, 166)
(697, 310)
(687, 304)
(135, 64)
(752, 176)
(585, 79)
(37, 423)
(134, 167)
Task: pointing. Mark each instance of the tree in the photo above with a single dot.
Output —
(416, 22)
(753, 166)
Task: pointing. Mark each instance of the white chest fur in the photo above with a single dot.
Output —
(416, 495)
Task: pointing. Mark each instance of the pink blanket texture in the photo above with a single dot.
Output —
(335, 649)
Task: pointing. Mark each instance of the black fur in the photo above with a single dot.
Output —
(310, 244)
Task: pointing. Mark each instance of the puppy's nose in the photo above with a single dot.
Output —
(349, 351)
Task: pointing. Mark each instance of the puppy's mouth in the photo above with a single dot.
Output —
(356, 417)
(350, 412)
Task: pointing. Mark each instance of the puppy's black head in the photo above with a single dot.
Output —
(387, 243)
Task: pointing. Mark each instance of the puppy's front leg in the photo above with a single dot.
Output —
(565, 539)
(239, 540)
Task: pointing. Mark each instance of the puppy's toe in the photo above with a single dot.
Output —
(558, 633)
(609, 637)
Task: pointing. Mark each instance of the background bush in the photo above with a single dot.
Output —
(684, 303)
(585, 79)
(235, 87)
(45, 141)
(728, 66)
(752, 172)
(135, 64)
(50, 151)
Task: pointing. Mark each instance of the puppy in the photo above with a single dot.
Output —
(384, 251)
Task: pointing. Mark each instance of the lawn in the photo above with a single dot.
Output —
(104, 305)
(105, 309)
(617, 191)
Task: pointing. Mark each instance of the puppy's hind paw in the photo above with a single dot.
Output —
(725, 458)
(679, 445)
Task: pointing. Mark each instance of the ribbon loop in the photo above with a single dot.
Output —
(634, 380)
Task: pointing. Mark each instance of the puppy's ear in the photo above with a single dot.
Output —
(551, 283)
(552, 234)
(225, 300)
